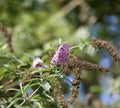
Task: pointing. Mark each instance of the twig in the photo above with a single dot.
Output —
(8, 37)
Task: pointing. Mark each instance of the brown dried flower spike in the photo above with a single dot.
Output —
(57, 94)
(72, 62)
(75, 85)
(108, 47)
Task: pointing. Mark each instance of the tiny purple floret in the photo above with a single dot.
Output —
(37, 62)
(61, 54)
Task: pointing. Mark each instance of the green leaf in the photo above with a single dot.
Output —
(96, 88)
(52, 79)
(45, 85)
(81, 46)
(13, 102)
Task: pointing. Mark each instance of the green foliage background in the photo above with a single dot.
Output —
(36, 25)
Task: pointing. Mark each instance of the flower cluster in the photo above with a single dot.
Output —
(37, 62)
(68, 64)
(61, 54)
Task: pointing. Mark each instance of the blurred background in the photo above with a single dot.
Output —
(34, 24)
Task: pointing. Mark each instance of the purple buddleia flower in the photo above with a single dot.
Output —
(61, 54)
(37, 62)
